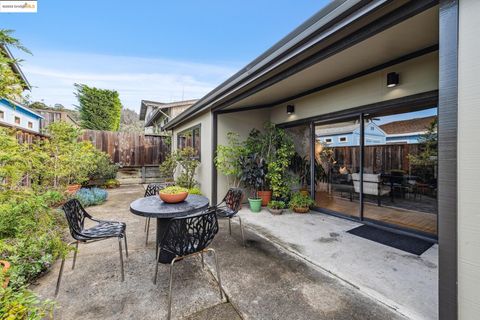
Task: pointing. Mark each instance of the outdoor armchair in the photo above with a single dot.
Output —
(76, 216)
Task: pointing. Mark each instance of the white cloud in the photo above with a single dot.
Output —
(52, 75)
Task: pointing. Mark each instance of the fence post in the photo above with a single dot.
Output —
(144, 173)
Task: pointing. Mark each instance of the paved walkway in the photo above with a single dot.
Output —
(261, 281)
(403, 281)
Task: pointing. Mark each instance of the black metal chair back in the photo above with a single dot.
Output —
(233, 199)
(190, 234)
(75, 215)
(153, 189)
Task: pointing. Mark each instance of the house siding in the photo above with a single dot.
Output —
(468, 161)
(25, 116)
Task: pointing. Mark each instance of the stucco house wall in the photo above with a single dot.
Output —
(241, 123)
(204, 171)
(416, 76)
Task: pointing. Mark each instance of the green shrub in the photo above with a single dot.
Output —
(30, 233)
(111, 183)
(168, 166)
(276, 204)
(300, 200)
(173, 190)
(21, 303)
(195, 191)
(188, 163)
(102, 167)
(91, 196)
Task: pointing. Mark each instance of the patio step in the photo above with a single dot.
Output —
(136, 175)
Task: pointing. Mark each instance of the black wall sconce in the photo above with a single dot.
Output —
(290, 109)
(393, 79)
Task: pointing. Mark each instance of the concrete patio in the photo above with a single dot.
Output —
(403, 281)
(262, 281)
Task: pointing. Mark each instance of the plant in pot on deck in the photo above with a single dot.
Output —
(253, 176)
(276, 207)
(300, 203)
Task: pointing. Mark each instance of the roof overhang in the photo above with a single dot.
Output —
(16, 67)
(337, 29)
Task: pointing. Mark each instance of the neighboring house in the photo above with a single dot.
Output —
(54, 115)
(15, 115)
(12, 113)
(407, 131)
(336, 66)
(157, 114)
(349, 135)
(396, 132)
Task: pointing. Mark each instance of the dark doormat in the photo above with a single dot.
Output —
(398, 241)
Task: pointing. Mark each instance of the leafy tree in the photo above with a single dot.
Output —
(129, 121)
(38, 105)
(10, 84)
(429, 145)
(100, 109)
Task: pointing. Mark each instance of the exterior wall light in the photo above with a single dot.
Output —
(290, 109)
(392, 79)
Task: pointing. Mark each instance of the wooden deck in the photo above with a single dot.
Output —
(421, 221)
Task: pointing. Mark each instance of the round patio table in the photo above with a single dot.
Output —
(154, 207)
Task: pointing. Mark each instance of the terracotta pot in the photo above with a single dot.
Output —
(72, 188)
(173, 198)
(5, 266)
(266, 196)
(301, 210)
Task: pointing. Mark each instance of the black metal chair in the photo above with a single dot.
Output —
(185, 237)
(229, 208)
(152, 190)
(76, 216)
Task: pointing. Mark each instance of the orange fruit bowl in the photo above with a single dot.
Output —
(173, 198)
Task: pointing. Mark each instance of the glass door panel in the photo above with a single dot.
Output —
(400, 170)
(337, 162)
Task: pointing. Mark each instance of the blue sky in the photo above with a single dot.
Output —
(155, 50)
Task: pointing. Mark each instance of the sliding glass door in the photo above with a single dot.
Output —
(400, 169)
(378, 167)
(337, 165)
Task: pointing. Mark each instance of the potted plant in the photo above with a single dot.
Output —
(276, 207)
(300, 203)
(173, 194)
(253, 175)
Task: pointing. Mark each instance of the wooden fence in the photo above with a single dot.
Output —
(378, 158)
(130, 149)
